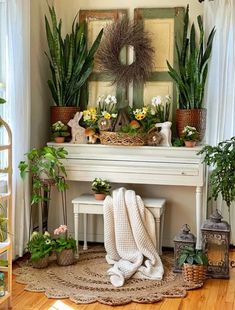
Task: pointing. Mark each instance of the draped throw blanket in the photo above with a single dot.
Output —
(129, 237)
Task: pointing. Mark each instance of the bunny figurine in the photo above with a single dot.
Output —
(78, 132)
(165, 132)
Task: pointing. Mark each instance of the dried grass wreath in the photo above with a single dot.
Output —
(120, 34)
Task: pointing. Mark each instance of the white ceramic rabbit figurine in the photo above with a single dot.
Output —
(78, 132)
(165, 132)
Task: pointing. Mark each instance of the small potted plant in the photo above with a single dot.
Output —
(190, 136)
(64, 246)
(194, 264)
(101, 188)
(40, 247)
(59, 132)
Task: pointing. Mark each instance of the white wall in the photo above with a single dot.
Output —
(180, 201)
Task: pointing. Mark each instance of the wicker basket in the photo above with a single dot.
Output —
(194, 273)
(194, 117)
(41, 262)
(65, 257)
(119, 138)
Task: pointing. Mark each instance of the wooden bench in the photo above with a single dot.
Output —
(87, 204)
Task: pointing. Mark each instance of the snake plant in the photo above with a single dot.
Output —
(193, 60)
(71, 63)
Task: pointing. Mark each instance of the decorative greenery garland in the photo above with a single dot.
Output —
(118, 35)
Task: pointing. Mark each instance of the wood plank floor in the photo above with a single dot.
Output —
(215, 295)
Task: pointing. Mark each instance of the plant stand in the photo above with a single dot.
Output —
(44, 205)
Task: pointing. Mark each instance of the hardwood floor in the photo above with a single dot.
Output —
(215, 295)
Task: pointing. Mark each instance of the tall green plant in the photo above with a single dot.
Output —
(193, 60)
(70, 61)
(222, 177)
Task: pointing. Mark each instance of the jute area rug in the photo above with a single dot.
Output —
(87, 282)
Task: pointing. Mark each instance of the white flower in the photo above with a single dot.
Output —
(99, 100)
(48, 241)
(46, 234)
(114, 99)
(108, 99)
(152, 111)
(157, 100)
(168, 97)
(114, 115)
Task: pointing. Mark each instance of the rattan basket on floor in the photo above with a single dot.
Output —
(194, 273)
(65, 257)
(41, 262)
(119, 138)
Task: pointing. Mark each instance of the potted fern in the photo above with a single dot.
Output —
(190, 77)
(71, 64)
(194, 264)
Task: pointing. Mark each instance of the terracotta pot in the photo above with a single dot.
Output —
(59, 139)
(190, 143)
(41, 262)
(194, 117)
(65, 257)
(99, 196)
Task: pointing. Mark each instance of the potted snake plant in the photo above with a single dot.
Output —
(191, 75)
(71, 64)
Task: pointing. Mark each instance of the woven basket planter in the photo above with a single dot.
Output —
(65, 257)
(194, 273)
(41, 262)
(119, 138)
(194, 117)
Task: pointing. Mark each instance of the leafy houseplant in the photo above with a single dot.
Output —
(59, 131)
(190, 78)
(190, 136)
(101, 188)
(222, 177)
(40, 247)
(194, 264)
(65, 246)
(46, 167)
(71, 64)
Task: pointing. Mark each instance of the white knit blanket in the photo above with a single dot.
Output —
(129, 237)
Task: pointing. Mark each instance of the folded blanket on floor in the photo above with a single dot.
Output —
(129, 237)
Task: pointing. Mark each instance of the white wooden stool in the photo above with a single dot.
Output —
(87, 204)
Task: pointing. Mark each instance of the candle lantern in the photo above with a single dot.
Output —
(215, 243)
(182, 240)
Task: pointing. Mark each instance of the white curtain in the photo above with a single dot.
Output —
(18, 96)
(220, 92)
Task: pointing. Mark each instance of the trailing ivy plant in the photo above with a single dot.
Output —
(222, 178)
(192, 256)
(45, 165)
(71, 63)
(191, 75)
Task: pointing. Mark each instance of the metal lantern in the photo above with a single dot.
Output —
(182, 240)
(215, 243)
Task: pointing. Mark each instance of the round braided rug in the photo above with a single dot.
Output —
(87, 282)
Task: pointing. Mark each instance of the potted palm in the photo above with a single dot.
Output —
(40, 247)
(194, 264)
(101, 188)
(190, 77)
(71, 64)
(65, 247)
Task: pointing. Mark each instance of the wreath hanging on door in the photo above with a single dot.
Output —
(119, 35)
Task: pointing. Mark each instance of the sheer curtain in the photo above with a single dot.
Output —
(18, 96)
(220, 92)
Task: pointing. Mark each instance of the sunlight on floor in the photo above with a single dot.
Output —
(59, 305)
